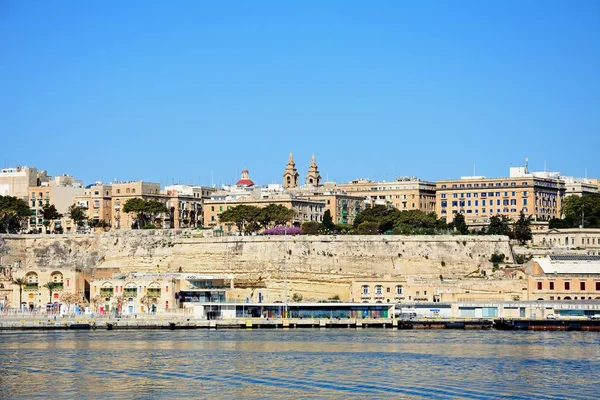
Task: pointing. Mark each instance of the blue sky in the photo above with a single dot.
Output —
(194, 91)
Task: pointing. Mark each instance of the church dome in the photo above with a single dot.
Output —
(245, 179)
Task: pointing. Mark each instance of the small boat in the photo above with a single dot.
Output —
(80, 326)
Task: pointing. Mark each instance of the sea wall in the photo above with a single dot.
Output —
(316, 258)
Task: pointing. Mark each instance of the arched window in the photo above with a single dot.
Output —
(32, 281)
(153, 289)
(399, 289)
(130, 290)
(107, 289)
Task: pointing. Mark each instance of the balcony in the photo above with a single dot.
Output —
(379, 295)
(365, 296)
(30, 286)
(129, 292)
(58, 286)
(153, 292)
(106, 292)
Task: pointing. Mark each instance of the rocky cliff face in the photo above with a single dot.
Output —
(314, 262)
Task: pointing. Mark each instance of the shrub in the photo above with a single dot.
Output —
(497, 258)
(282, 230)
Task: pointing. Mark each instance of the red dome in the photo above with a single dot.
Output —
(245, 179)
(245, 182)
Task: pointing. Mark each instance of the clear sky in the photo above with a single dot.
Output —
(195, 91)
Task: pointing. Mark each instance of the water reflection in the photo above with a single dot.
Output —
(299, 363)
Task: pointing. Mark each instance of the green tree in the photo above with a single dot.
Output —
(328, 221)
(522, 229)
(50, 214)
(460, 225)
(78, 215)
(20, 282)
(243, 216)
(146, 211)
(499, 225)
(584, 210)
(273, 215)
(13, 213)
(368, 228)
(310, 228)
(51, 286)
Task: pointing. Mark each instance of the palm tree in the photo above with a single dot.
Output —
(50, 286)
(20, 282)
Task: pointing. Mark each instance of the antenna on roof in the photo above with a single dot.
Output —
(526, 165)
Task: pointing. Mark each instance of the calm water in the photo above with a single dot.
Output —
(300, 363)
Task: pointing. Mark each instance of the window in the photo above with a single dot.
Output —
(399, 288)
(597, 286)
(567, 285)
(118, 191)
(365, 289)
(443, 195)
(539, 286)
(581, 285)
(551, 285)
(378, 289)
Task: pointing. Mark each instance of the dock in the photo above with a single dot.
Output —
(241, 323)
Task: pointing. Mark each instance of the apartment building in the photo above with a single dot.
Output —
(62, 197)
(124, 191)
(185, 204)
(565, 277)
(304, 209)
(97, 199)
(17, 181)
(405, 193)
(479, 198)
(579, 186)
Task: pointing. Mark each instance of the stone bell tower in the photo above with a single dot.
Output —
(290, 176)
(313, 178)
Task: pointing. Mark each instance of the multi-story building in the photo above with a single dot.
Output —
(185, 204)
(246, 192)
(478, 198)
(579, 186)
(124, 191)
(147, 292)
(565, 277)
(62, 197)
(583, 238)
(304, 209)
(97, 199)
(405, 193)
(17, 181)
(35, 296)
(342, 207)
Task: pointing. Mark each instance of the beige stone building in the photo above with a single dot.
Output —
(584, 238)
(62, 197)
(478, 198)
(342, 207)
(36, 297)
(97, 199)
(17, 181)
(565, 277)
(395, 290)
(404, 193)
(579, 186)
(304, 209)
(156, 293)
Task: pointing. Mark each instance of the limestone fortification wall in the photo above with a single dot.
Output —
(259, 258)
